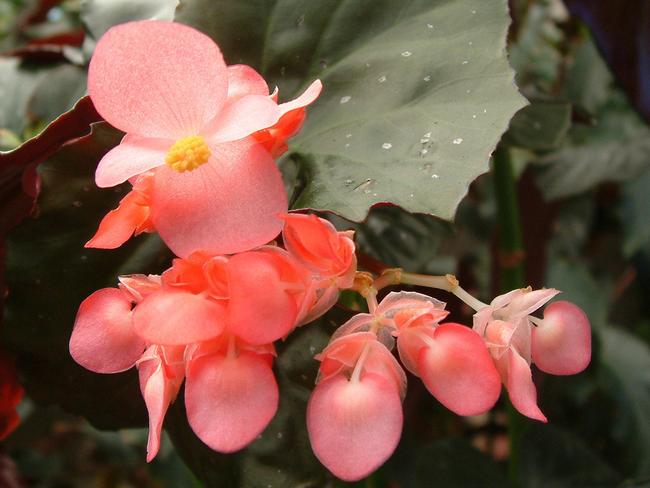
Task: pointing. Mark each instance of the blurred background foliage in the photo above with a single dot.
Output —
(581, 153)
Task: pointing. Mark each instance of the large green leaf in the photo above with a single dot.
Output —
(627, 360)
(617, 148)
(417, 93)
(634, 213)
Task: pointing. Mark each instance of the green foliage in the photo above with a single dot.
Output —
(420, 84)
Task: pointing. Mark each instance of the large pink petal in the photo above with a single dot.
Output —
(244, 80)
(230, 401)
(241, 118)
(521, 389)
(354, 426)
(261, 310)
(458, 370)
(175, 317)
(103, 339)
(231, 204)
(134, 155)
(561, 344)
(157, 79)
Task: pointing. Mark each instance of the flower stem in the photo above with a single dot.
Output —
(511, 271)
(447, 282)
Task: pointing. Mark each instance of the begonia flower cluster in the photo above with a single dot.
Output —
(199, 153)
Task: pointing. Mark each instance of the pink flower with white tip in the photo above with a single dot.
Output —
(559, 344)
(188, 118)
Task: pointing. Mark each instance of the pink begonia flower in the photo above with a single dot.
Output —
(327, 253)
(166, 85)
(354, 415)
(231, 394)
(452, 361)
(564, 343)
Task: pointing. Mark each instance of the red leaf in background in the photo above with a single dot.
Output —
(11, 393)
(19, 183)
(622, 32)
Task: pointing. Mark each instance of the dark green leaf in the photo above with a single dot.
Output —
(540, 126)
(417, 93)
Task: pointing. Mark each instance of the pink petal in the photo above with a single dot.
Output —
(503, 300)
(561, 344)
(521, 388)
(242, 117)
(405, 300)
(306, 98)
(134, 155)
(230, 401)
(226, 206)
(528, 302)
(103, 339)
(157, 79)
(119, 225)
(458, 370)
(175, 317)
(244, 80)
(159, 386)
(138, 286)
(354, 427)
(261, 310)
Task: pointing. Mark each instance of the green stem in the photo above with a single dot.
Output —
(511, 272)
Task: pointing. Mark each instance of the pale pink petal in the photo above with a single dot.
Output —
(327, 299)
(133, 156)
(260, 310)
(103, 339)
(521, 389)
(244, 80)
(230, 401)
(231, 204)
(240, 118)
(481, 319)
(159, 385)
(527, 303)
(306, 98)
(396, 301)
(458, 370)
(175, 317)
(561, 344)
(138, 286)
(381, 362)
(354, 427)
(410, 342)
(157, 79)
(503, 300)
(360, 322)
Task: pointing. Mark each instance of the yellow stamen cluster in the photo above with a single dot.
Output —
(187, 154)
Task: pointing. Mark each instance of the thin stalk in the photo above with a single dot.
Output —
(511, 272)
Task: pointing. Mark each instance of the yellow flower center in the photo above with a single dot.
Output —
(187, 154)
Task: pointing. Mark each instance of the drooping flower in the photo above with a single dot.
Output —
(354, 415)
(562, 341)
(166, 85)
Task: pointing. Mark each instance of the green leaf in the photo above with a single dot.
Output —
(49, 273)
(552, 458)
(540, 126)
(417, 93)
(17, 83)
(100, 15)
(627, 360)
(634, 214)
(58, 92)
(446, 463)
(617, 148)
